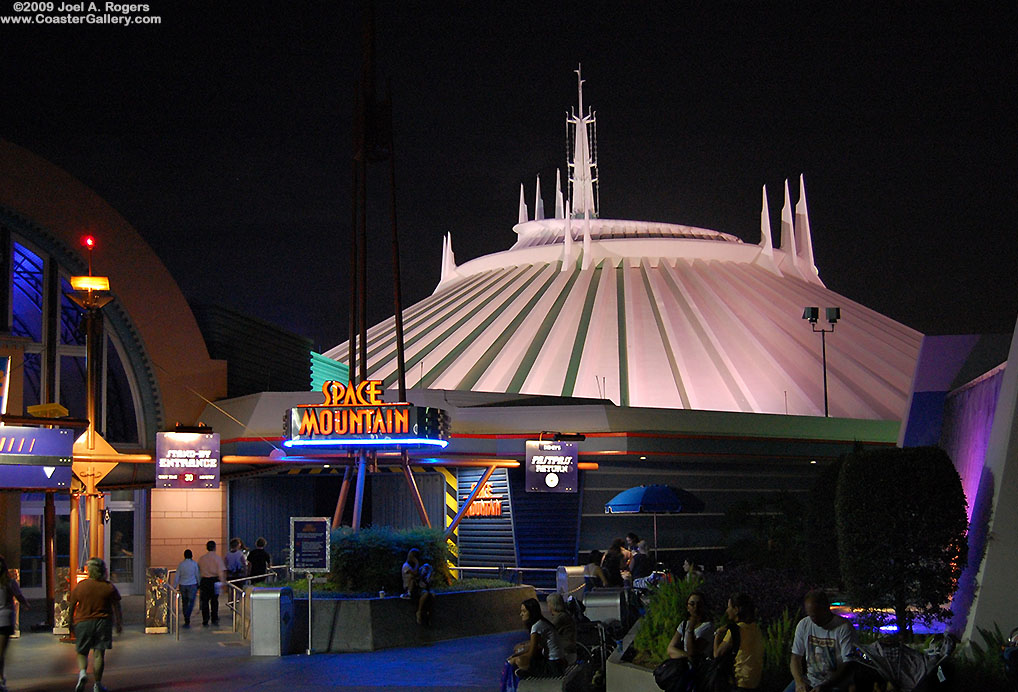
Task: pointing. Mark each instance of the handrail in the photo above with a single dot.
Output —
(173, 613)
(238, 602)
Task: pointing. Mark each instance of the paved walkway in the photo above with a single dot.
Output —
(217, 660)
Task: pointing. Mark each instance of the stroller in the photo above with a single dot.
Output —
(902, 668)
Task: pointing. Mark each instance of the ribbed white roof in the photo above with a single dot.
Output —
(647, 314)
(653, 315)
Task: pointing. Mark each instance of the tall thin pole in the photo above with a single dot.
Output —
(397, 294)
(823, 350)
(50, 551)
(355, 214)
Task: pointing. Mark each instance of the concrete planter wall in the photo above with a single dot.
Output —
(625, 677)
(366, 624)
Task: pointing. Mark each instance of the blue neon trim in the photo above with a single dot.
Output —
(369, 442)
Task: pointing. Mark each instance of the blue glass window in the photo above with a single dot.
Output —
(27, 282)
(72, 319)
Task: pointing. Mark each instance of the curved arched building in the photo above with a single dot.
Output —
(155, 368)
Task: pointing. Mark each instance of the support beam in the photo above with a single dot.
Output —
(50, 554)
(344, 490)
(75, 529)
(358, 498)
(470, 500)
(415, 491)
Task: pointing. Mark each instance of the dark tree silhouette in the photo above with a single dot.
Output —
(901, 517)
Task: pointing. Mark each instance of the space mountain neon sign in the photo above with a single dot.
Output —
(354, 415)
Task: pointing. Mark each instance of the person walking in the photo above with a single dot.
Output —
(187, 578)
(94, 605)
(211, 569)
(9, 592)
(258, 561)
(236, 560)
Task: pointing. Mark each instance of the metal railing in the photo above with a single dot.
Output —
(237, 600)
(234, 593)
(173, 612)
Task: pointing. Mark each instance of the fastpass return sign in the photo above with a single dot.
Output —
(354, 415)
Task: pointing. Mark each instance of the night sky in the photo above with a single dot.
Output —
(223, 135)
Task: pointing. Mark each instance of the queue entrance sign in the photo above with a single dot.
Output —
(310, 550)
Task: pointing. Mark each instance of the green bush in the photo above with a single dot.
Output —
(667, 608)
(979, 664)
(370, 559)
(777, 636)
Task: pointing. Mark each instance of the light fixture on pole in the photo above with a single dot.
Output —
(812, 315)
(92, 294)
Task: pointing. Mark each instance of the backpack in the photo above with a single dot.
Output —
(675, 675)
(715, 674)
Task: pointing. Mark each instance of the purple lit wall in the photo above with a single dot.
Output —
(968, 417)
(965, 436)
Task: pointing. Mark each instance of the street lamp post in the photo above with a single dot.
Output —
(812, 315)
(91, 294)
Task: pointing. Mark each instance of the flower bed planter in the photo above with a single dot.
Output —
(366, 624)
(621, 676)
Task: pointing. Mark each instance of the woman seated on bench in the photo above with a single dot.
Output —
(541, 655)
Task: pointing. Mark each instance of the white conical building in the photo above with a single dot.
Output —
(651, 314)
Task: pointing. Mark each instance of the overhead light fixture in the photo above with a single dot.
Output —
(812, 315)
(90, 283)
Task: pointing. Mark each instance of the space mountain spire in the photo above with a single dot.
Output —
(766, 257)
(803, 237)
(583, 166)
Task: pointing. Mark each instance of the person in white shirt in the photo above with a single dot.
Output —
(694, 637)
(186, 582)
(212, 569)
(541, 655)
(821, 648)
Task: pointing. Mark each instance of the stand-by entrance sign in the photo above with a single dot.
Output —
(186, 460)
(310, 544)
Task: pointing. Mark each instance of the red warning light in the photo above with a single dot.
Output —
(88, 241)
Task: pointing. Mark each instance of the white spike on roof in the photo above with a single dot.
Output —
(789, 257)
(803, 236)
(523, 206)
(538, 202)
(587, 240)
(567, 246)
(583, 164)
(766, 257)
(559, 199)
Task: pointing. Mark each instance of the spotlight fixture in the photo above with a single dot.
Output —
(812, 315)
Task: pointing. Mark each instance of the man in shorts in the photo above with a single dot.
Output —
(94, 605)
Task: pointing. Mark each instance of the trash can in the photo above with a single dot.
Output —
(271, 621)
(569, 581)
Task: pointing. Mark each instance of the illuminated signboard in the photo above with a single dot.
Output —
(486, 504)
(551, 467)
(33, 458)
(356, 416)
(310, 544)
(187, 460)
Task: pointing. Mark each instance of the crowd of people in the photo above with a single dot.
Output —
(202, 578)
(711, 657)
(821, 647)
